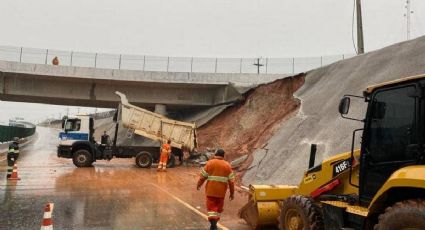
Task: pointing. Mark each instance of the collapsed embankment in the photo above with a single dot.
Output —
(277, 125)
(243, 128)
(285, 157)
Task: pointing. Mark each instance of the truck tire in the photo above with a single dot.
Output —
(300, 213)
(144, 159)
(171, 161)
(82, 158)
(408, 214)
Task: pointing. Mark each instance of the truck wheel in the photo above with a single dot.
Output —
(300, 213)
(144, 159)
(408, 214)
(82, 158)
(171, 161)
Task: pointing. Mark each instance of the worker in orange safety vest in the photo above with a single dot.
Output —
(165, 153)
(219, 175)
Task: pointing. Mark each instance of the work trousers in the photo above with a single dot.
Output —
(163, 159)
(214, 207)
(11, 159)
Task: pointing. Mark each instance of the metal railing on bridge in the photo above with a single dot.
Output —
(168, 64)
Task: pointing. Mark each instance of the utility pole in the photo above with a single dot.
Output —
(258, 65)
(360, 41)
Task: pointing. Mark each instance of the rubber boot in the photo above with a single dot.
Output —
(213, 225)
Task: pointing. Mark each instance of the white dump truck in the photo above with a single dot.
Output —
(77, 141)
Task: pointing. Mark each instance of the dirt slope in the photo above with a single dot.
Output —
(242, 128)
(318, 120)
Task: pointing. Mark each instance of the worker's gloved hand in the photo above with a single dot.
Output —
(231, 197)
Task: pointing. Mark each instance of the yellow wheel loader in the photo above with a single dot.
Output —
(379, 186)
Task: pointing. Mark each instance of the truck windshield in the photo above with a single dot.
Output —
(72, 125)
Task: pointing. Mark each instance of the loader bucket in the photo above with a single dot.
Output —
(263, 208)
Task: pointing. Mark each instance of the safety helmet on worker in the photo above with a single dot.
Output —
(16, 139)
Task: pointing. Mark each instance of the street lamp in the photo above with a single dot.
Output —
(258, 64)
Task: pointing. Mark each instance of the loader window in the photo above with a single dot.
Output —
(392, 125)
(390, 134)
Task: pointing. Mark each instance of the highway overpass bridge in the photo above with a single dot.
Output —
(93, 87)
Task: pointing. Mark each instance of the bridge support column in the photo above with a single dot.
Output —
(161, 109)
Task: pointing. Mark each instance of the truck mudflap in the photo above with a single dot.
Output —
(64, 151)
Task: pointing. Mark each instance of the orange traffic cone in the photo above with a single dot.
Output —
(14, 175)
(47, 217)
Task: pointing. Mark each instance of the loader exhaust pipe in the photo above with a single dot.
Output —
(313, 150)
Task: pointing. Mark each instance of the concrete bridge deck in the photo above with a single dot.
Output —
(94, 87)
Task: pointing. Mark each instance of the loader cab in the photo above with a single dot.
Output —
(392, 135)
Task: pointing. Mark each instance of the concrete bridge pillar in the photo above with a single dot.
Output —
(161, 109)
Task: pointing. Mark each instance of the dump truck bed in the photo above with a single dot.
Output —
(155, 126)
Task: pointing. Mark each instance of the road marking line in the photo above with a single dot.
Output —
(192, 174)
(189, 206)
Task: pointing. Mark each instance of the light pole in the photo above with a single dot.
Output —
(258, 65)
(360, 41)
(407, 15)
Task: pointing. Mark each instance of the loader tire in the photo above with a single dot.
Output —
(144, 159)
(300, 213)
(82, 158)
(408, 214)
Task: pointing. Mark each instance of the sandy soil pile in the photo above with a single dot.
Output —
(286, 154)
(242, 128)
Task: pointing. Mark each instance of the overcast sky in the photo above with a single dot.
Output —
(202, 28)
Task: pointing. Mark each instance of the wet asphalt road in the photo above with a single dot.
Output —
(110, 195)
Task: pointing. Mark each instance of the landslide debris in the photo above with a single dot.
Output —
(318, 120)
(242, 128)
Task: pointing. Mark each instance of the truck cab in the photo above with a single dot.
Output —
(78, 129)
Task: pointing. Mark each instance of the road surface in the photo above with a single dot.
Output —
(110, 195)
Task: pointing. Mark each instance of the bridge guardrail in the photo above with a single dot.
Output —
(168, 64)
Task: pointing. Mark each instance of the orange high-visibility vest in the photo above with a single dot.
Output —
(165, 149)
(219, 175)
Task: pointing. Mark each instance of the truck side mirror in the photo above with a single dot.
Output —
(344, 105)
(115, 118)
